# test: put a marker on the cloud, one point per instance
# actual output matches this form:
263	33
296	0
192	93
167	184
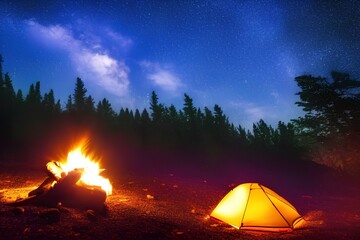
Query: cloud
252	112
90	59
123	41
162	76
53	35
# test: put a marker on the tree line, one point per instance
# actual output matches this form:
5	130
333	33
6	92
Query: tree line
328	132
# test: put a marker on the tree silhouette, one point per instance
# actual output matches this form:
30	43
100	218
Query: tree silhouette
49	101
221	125
156	109
80	101
33	98
191	130
243	136
19	98
287	135
104	110
7	104
332	118
262	135
145	119
331	107
8	87
1	71
189	110
69	104
89	105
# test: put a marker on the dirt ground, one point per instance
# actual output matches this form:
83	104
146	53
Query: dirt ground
166	205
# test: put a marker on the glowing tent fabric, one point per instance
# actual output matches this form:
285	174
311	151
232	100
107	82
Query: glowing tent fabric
256	207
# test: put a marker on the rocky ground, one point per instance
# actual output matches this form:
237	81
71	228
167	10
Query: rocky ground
167	205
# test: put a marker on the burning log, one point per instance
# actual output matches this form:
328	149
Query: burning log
55	173
54	170
75	182
63	188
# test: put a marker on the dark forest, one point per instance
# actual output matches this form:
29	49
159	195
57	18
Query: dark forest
328	133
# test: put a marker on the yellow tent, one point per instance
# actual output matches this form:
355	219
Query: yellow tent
256	207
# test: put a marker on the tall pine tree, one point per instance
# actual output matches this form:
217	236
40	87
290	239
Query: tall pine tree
79	96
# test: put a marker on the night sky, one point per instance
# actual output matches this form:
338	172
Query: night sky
242	55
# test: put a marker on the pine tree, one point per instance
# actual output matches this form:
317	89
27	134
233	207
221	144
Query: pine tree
145	118
157	109
49	101
104	109
38	97
220	119
69	104
331	125
19	97
262	135
89	105
8	98
208	119
137	117
243	137
189	109
287	139
8	88
173	115
80	96
1	71
33	99
331	107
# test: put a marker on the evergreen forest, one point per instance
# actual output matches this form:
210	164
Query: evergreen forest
34	123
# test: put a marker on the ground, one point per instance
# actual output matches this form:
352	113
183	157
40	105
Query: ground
167	205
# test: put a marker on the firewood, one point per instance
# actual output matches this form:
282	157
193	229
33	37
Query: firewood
44	186
84	198
70	179
54	170
68	193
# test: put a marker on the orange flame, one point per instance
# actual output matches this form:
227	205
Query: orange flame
77	159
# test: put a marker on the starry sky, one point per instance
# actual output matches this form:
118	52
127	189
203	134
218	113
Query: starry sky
242	55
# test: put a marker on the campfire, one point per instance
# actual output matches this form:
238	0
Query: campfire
74	182
90	176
